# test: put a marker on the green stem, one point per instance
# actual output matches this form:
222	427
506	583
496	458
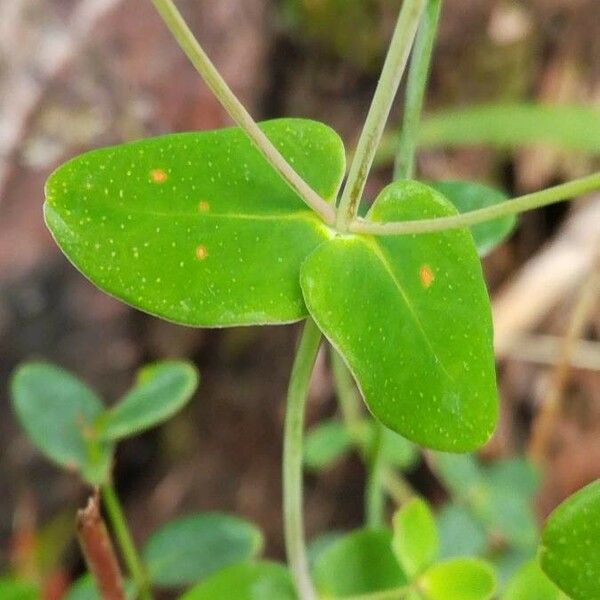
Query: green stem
188	43
118	523
393	68
566	191
397	488
415	90
374	496
293	459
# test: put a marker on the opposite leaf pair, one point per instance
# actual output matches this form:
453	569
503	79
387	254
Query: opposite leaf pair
369	561
67	421
199	229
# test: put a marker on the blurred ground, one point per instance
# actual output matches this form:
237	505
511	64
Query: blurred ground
76	74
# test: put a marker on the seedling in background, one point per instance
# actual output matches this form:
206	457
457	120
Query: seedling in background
243	227
69	424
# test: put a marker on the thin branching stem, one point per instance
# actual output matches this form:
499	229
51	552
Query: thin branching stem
192	48
559	193
393	69
374	496
118	523
404	165
293	459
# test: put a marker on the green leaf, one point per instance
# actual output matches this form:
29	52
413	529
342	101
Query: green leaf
570	544
459	579
360	563
58	412
410	315
467	196
461	474
245	581
510	126
12	588
326	443
530	583
415	542
85	588
319	544
459	532
161	390
197	228
191	548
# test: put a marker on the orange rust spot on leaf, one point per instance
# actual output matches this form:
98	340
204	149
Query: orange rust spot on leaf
426	275
201	252
203	206
158	176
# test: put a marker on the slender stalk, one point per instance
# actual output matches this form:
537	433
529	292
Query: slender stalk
118	523
374	496
559	193
292	459
396	486
393	68
404	165
192	48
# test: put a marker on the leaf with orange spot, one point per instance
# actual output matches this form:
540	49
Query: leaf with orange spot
197	228
410	315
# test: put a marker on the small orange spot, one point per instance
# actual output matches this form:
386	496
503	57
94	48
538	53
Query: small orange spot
426	275
201	252
158	176
203	206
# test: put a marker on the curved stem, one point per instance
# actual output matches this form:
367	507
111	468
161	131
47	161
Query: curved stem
393	68
188	43
559	193
404	165
374	496
118	523
292	459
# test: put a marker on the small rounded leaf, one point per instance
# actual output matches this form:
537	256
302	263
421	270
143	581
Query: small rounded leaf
530	583
570	544
58	412
12	588
415	542
459	579
468	196
85	588
459	532
161	390
193	547
245	581
360	563
326	443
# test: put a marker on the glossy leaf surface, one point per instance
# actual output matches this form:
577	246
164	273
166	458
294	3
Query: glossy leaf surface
245	581
191	548
161	390
58	412
459	579
410	316
325	443
469	195
197	228
570	544
415	542
530	583
360	563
